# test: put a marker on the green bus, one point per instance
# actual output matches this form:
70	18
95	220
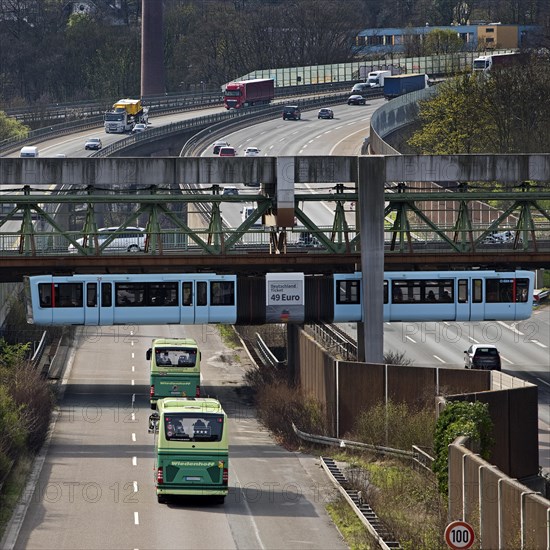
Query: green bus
175	368
191	448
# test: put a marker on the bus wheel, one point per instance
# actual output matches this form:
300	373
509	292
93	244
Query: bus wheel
161	499
220	499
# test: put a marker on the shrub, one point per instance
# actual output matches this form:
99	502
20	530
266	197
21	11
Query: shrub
280	405
461	418
395	425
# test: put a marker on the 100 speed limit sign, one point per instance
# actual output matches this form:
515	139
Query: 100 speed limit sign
459	535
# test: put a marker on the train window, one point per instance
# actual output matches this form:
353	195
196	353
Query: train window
348	292
463	291
162	294
130	294
68	295
106	294
422	291
201	293
187	294
222	293
45	294
522	290
477	291
91	295
500	290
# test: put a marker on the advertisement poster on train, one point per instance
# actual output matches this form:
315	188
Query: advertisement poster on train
284	297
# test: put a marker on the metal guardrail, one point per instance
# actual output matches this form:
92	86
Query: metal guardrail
334	340
39	351
343	443
265	354
384	538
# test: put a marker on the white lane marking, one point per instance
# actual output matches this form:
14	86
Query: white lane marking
134	461
134	437
409	338
251	517
133	382
135	486
133	368
507	360
133	416
538	343
541	380
136	518
512	328
439	359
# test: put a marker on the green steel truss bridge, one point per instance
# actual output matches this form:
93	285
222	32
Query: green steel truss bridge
50	225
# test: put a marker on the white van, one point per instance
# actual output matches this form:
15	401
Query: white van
247	211
29	151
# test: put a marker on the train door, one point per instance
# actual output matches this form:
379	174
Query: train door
201	303
187	307
106	305
91	304
477	300
463	301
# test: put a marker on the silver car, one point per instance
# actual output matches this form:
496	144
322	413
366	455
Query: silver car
130	239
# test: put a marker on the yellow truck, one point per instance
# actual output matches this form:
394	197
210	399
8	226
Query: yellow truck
125	114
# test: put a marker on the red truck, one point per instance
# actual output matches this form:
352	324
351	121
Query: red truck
248	92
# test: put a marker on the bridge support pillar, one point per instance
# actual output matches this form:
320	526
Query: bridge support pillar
371	178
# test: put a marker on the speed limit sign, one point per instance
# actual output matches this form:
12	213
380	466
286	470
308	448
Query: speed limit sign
459	535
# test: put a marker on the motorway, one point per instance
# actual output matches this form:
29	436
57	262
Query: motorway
95	489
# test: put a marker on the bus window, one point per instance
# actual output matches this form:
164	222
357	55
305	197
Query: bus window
189	426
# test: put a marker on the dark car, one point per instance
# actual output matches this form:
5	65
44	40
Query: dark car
356	99
218	145
291	112
482	356
325	113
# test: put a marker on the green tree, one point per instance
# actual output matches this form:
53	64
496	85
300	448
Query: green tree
441	41
505	112
454	121
11	128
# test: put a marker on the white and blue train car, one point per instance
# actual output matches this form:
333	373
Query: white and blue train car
441	296
131	299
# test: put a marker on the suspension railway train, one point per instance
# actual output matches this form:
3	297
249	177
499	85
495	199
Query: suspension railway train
200	298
